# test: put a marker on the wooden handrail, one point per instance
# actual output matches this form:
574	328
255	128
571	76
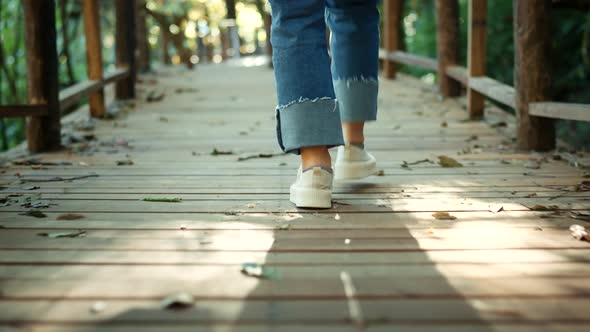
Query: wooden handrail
73	94
565	111
18	111
409	59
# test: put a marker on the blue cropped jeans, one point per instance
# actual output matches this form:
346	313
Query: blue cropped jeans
314	95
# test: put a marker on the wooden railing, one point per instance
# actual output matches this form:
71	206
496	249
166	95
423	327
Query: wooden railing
45	100
531	95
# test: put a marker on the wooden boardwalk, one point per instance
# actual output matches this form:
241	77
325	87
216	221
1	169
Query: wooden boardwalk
379	260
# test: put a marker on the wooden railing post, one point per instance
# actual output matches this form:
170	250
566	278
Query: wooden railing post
43	132
476	54
125	36
91	15
447	13
143	47
392	16
532	72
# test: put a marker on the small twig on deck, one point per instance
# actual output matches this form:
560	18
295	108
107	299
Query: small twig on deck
260	156
59	179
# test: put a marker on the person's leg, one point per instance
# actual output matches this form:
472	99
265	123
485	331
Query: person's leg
355	67
307	115
355	62
308	120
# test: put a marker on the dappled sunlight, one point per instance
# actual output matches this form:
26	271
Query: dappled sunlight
183	189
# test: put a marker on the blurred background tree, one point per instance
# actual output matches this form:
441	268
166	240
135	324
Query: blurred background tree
208	31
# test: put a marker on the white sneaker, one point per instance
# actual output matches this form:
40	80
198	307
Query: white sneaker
313	188
353	162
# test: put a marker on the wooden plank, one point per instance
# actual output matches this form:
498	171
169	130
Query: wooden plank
447	14
90	10
256	327
238	287
72	257
532	72
17	111
43	132
125	40
536	312
393	33
298	220
476	54
493	89
400	260
523	234
227	274
503	239
565	111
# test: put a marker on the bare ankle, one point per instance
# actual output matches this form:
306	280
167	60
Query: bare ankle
315	156
353	132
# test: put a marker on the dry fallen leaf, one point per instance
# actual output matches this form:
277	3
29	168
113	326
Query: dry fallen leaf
98	307
582	186
579	233
55	235
539	207
124	162
177	301
449	162
443	216
70	216
154	96
580	215
34	213
284	227
259	271
533	164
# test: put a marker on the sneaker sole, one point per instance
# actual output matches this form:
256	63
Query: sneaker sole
354	171
311	198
